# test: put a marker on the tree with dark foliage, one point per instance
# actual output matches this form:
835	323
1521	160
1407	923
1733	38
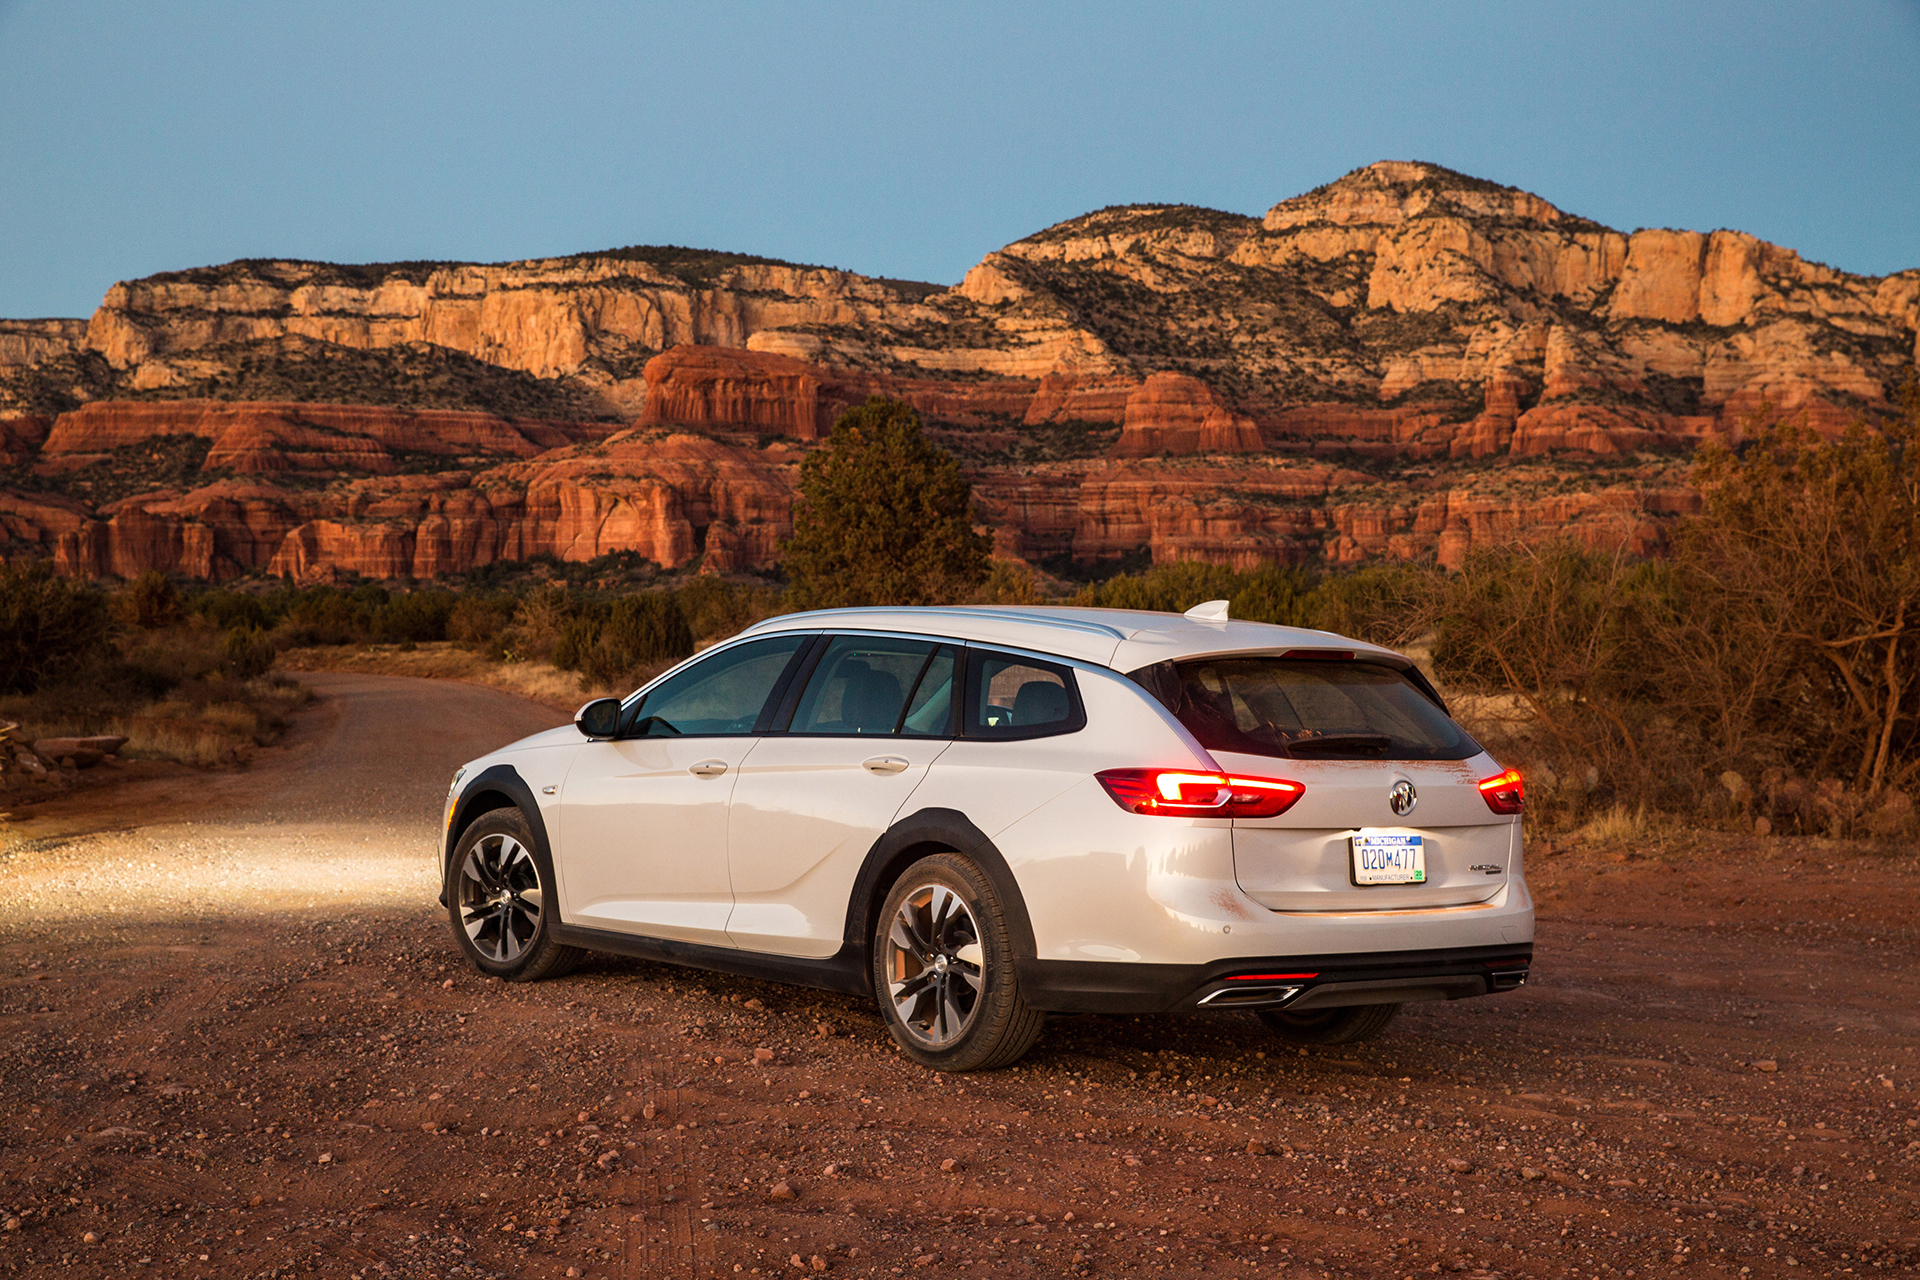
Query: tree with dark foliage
884	518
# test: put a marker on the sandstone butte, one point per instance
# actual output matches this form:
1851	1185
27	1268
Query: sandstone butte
1405	362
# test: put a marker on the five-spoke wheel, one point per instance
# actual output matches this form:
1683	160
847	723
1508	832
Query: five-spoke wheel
500	897
497	897
943	969
933	965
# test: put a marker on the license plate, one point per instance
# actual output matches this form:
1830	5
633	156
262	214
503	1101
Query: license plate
1389	859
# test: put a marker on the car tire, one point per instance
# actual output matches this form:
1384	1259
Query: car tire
500	901
943	970
1348	1025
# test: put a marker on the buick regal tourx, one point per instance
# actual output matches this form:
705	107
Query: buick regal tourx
980	815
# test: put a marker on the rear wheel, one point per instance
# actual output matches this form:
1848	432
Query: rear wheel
943	970
1349	1025
500	896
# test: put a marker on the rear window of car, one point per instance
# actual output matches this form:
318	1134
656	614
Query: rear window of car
1296	709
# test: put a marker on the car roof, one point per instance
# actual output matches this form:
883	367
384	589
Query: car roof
1124	639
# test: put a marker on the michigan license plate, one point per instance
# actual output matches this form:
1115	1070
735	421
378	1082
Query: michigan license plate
1387	859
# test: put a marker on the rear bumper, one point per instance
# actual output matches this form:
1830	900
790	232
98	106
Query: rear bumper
1278	982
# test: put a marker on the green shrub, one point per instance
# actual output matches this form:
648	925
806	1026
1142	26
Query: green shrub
884	517
229	609
48	625
413	617
246	653
1174	587
478	622
716	608
150	601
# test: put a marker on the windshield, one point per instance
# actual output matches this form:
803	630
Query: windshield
1306	710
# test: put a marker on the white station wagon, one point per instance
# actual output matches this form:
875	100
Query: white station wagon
981	815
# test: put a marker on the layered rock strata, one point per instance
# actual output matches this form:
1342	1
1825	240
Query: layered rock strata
1407	361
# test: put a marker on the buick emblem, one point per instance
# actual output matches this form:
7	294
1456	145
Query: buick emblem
1402	798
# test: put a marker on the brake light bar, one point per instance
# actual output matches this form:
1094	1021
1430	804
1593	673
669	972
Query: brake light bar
1185	793
1271	977
1504	792
1321	655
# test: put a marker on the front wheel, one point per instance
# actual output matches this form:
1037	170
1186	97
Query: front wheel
943	970
500	900
1348	1025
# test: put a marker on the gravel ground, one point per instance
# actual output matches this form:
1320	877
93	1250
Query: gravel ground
235	1040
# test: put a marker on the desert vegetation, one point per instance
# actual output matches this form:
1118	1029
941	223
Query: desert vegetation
1763	674
76	661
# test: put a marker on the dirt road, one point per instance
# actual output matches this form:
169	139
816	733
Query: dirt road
236	1041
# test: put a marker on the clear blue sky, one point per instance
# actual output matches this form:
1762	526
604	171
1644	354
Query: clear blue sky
907	139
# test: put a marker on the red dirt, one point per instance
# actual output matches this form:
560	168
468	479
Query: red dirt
1713	1068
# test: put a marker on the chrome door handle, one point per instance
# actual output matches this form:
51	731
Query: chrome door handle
885	764
708	768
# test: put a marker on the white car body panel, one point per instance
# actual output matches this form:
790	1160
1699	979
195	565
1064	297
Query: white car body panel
1301	860
805	812
643	841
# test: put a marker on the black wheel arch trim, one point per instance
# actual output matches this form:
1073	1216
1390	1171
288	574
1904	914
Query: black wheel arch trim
932	830
496	780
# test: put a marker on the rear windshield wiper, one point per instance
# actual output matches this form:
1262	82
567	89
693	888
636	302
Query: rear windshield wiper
1341	742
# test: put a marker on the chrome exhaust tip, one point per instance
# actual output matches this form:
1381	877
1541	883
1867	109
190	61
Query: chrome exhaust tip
1247	997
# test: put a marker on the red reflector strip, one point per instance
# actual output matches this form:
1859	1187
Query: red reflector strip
1507	964
1269	977
1321	655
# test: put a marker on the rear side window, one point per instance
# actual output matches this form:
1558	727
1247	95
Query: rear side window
1306	710
1015	697
719	695
878	685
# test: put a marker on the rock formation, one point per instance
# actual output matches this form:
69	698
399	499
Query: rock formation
1404	362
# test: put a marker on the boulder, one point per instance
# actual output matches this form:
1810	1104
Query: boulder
83	752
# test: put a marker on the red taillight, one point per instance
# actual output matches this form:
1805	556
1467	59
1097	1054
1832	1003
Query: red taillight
1504	792
1185	793
1271	977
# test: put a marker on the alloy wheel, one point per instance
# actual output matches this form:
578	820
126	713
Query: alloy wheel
934	965
501	898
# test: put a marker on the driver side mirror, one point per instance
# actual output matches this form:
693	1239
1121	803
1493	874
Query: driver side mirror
599	718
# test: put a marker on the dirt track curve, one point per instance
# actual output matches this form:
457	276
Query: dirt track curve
236	1041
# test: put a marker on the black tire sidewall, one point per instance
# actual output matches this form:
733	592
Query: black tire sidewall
507	822
977	1046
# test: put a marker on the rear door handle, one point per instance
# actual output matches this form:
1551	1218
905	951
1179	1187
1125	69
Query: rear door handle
708	768
885	764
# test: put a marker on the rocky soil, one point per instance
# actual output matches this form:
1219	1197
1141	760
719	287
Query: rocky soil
235	1040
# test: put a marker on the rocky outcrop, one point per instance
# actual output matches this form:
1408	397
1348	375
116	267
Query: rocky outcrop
715	387
264	439
665	495
1174	413
24	343
1407	361
21	437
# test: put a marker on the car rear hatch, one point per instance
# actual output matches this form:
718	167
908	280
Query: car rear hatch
1352	728
1303	860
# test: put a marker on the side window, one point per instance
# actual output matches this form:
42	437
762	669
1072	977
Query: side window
868	685
1011	697
720	695
930	709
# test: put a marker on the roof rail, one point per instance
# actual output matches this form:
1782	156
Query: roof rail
956	611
